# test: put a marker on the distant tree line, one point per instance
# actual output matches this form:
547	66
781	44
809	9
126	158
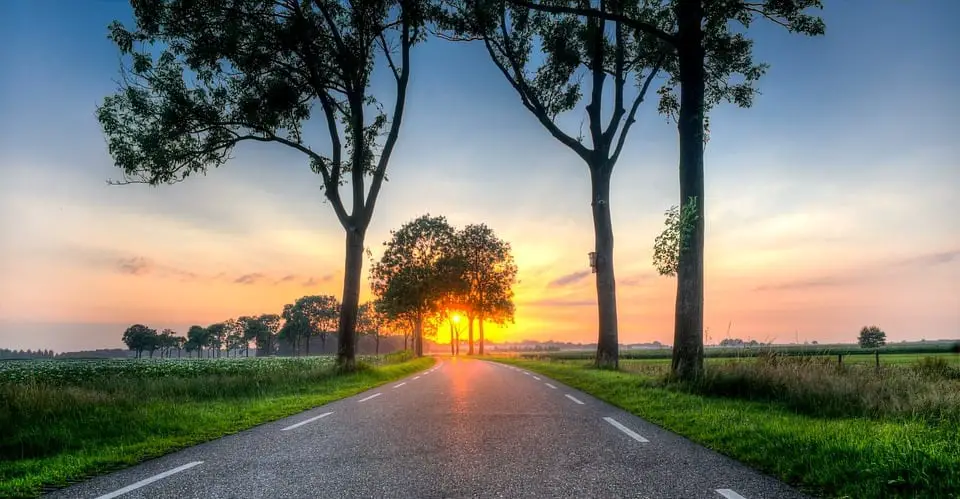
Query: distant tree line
6	353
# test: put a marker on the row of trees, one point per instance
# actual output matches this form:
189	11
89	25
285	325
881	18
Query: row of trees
262	69
308	317
431	272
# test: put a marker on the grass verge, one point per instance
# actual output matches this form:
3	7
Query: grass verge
849	457
58	433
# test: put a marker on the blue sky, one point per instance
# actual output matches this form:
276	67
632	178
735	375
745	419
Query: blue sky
831	203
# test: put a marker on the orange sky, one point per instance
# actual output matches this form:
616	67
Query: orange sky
825	211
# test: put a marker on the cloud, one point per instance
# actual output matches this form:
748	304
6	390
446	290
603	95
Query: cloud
313	281
250	278
635	280
819	282
929	260
137	265
569	279
867	272
286	278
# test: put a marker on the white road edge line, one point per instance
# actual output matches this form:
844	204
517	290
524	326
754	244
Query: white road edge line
632	434
536	378
525	372
416	377
399	385
551	386
305	421
148	481
571	397
375	395
730	494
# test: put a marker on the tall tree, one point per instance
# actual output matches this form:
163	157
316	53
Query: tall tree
309	316
710	60
489	272
233	71
574	50
266	341
217	337
410	278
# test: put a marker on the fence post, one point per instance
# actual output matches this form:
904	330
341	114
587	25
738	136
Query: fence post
840	360
877	354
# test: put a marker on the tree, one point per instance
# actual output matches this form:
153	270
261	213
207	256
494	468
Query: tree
489	273
575	50
139	338
253	71
197	338
217	336
710	61
409	279
266	339
310	316
371	321
872	337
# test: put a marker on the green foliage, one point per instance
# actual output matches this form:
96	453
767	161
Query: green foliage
250	70
554	61
414	271
675	238
872	337
488	271
309	316
139	338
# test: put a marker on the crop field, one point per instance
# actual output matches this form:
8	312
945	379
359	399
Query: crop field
79	372
65	420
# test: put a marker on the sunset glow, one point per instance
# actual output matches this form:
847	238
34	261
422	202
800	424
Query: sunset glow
824	213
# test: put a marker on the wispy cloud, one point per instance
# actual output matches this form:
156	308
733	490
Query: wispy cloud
140	266
930	259
569	279
316	281
253	278
818	282
137	265
636	280
286	278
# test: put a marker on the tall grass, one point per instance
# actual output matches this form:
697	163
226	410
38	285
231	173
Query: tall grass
928	391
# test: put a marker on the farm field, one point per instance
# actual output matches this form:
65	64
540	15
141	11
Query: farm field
67	420
850	432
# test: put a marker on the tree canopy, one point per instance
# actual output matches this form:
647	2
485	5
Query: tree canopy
202	77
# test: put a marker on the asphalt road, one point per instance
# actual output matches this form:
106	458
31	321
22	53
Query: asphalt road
464	428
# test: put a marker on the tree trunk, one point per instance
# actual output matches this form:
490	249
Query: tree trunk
347	327
323	343
405	337
480	324
418	337
470	336
688	326
608	349
308	345
376	350
452	338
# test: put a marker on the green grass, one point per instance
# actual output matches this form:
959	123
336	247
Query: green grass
64	422
832	435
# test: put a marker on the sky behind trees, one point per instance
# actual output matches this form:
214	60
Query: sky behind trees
831	204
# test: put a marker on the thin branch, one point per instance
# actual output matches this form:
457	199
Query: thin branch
594	13
530	100
386	52
619	80
633	109
381	171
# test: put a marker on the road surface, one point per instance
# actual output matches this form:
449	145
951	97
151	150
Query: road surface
464	428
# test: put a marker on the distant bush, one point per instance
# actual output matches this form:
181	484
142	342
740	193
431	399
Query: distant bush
397	357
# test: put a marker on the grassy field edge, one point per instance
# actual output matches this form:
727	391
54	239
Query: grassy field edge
220	418
826	457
